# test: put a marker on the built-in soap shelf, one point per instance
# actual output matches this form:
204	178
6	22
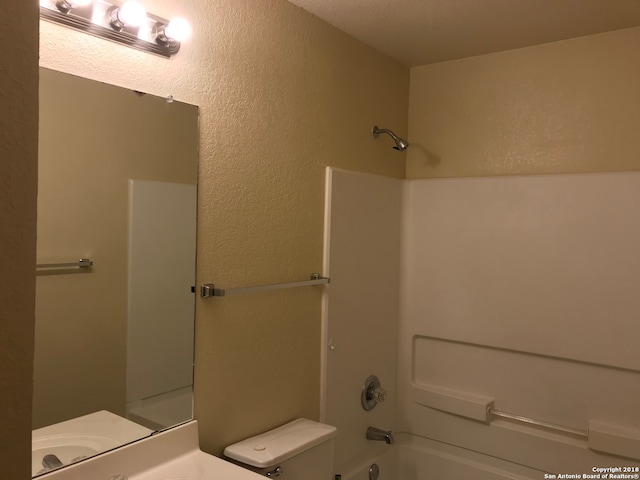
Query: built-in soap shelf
600	436
475	407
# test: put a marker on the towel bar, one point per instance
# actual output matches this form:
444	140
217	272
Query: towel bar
209	290
81	263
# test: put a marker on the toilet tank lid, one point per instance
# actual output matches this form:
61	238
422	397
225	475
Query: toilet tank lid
277	445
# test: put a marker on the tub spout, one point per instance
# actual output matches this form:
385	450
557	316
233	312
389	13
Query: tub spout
380	435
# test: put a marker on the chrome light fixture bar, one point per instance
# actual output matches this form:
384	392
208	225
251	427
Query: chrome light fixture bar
123	22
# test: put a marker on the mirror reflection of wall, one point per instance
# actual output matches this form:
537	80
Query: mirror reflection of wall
109	156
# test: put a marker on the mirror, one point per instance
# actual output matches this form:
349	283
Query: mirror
114	340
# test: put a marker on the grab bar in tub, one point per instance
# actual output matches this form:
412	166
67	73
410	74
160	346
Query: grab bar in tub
538	423
600	436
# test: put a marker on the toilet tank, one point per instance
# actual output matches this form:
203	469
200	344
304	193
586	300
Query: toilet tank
299	450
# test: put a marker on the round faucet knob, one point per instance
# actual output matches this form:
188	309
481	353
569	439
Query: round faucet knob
372	393
379	394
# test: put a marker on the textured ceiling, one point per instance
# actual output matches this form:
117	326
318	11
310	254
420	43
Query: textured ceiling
419	32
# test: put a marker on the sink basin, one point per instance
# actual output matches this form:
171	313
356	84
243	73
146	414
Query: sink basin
169	455
82	437
68	448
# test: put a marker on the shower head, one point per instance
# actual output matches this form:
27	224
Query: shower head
401	144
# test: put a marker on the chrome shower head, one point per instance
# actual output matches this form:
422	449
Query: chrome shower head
400	143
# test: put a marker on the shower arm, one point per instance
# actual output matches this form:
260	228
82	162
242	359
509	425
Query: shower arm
401	144
377	131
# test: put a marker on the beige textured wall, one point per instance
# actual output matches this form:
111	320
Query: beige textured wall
568	106
92	139
282	95
18	167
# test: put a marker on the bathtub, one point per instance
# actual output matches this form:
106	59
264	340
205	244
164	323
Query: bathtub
417	458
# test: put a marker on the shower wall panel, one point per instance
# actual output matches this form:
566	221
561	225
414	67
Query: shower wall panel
362	258
522	291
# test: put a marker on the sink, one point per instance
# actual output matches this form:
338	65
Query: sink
170	454
82	437
68	448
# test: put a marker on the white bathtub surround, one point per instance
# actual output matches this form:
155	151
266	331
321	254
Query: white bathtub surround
522	290
517	294
173	454
363	234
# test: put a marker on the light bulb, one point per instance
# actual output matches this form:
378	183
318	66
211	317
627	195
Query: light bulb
178	29
132	14
66	5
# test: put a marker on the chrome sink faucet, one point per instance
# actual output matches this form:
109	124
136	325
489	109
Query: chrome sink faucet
377	434
50	462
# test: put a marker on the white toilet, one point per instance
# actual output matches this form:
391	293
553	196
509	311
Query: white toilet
298	450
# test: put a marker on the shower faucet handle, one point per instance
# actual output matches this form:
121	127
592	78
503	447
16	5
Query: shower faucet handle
372	393
379	394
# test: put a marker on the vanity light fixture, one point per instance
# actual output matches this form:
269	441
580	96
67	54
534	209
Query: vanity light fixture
125	22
